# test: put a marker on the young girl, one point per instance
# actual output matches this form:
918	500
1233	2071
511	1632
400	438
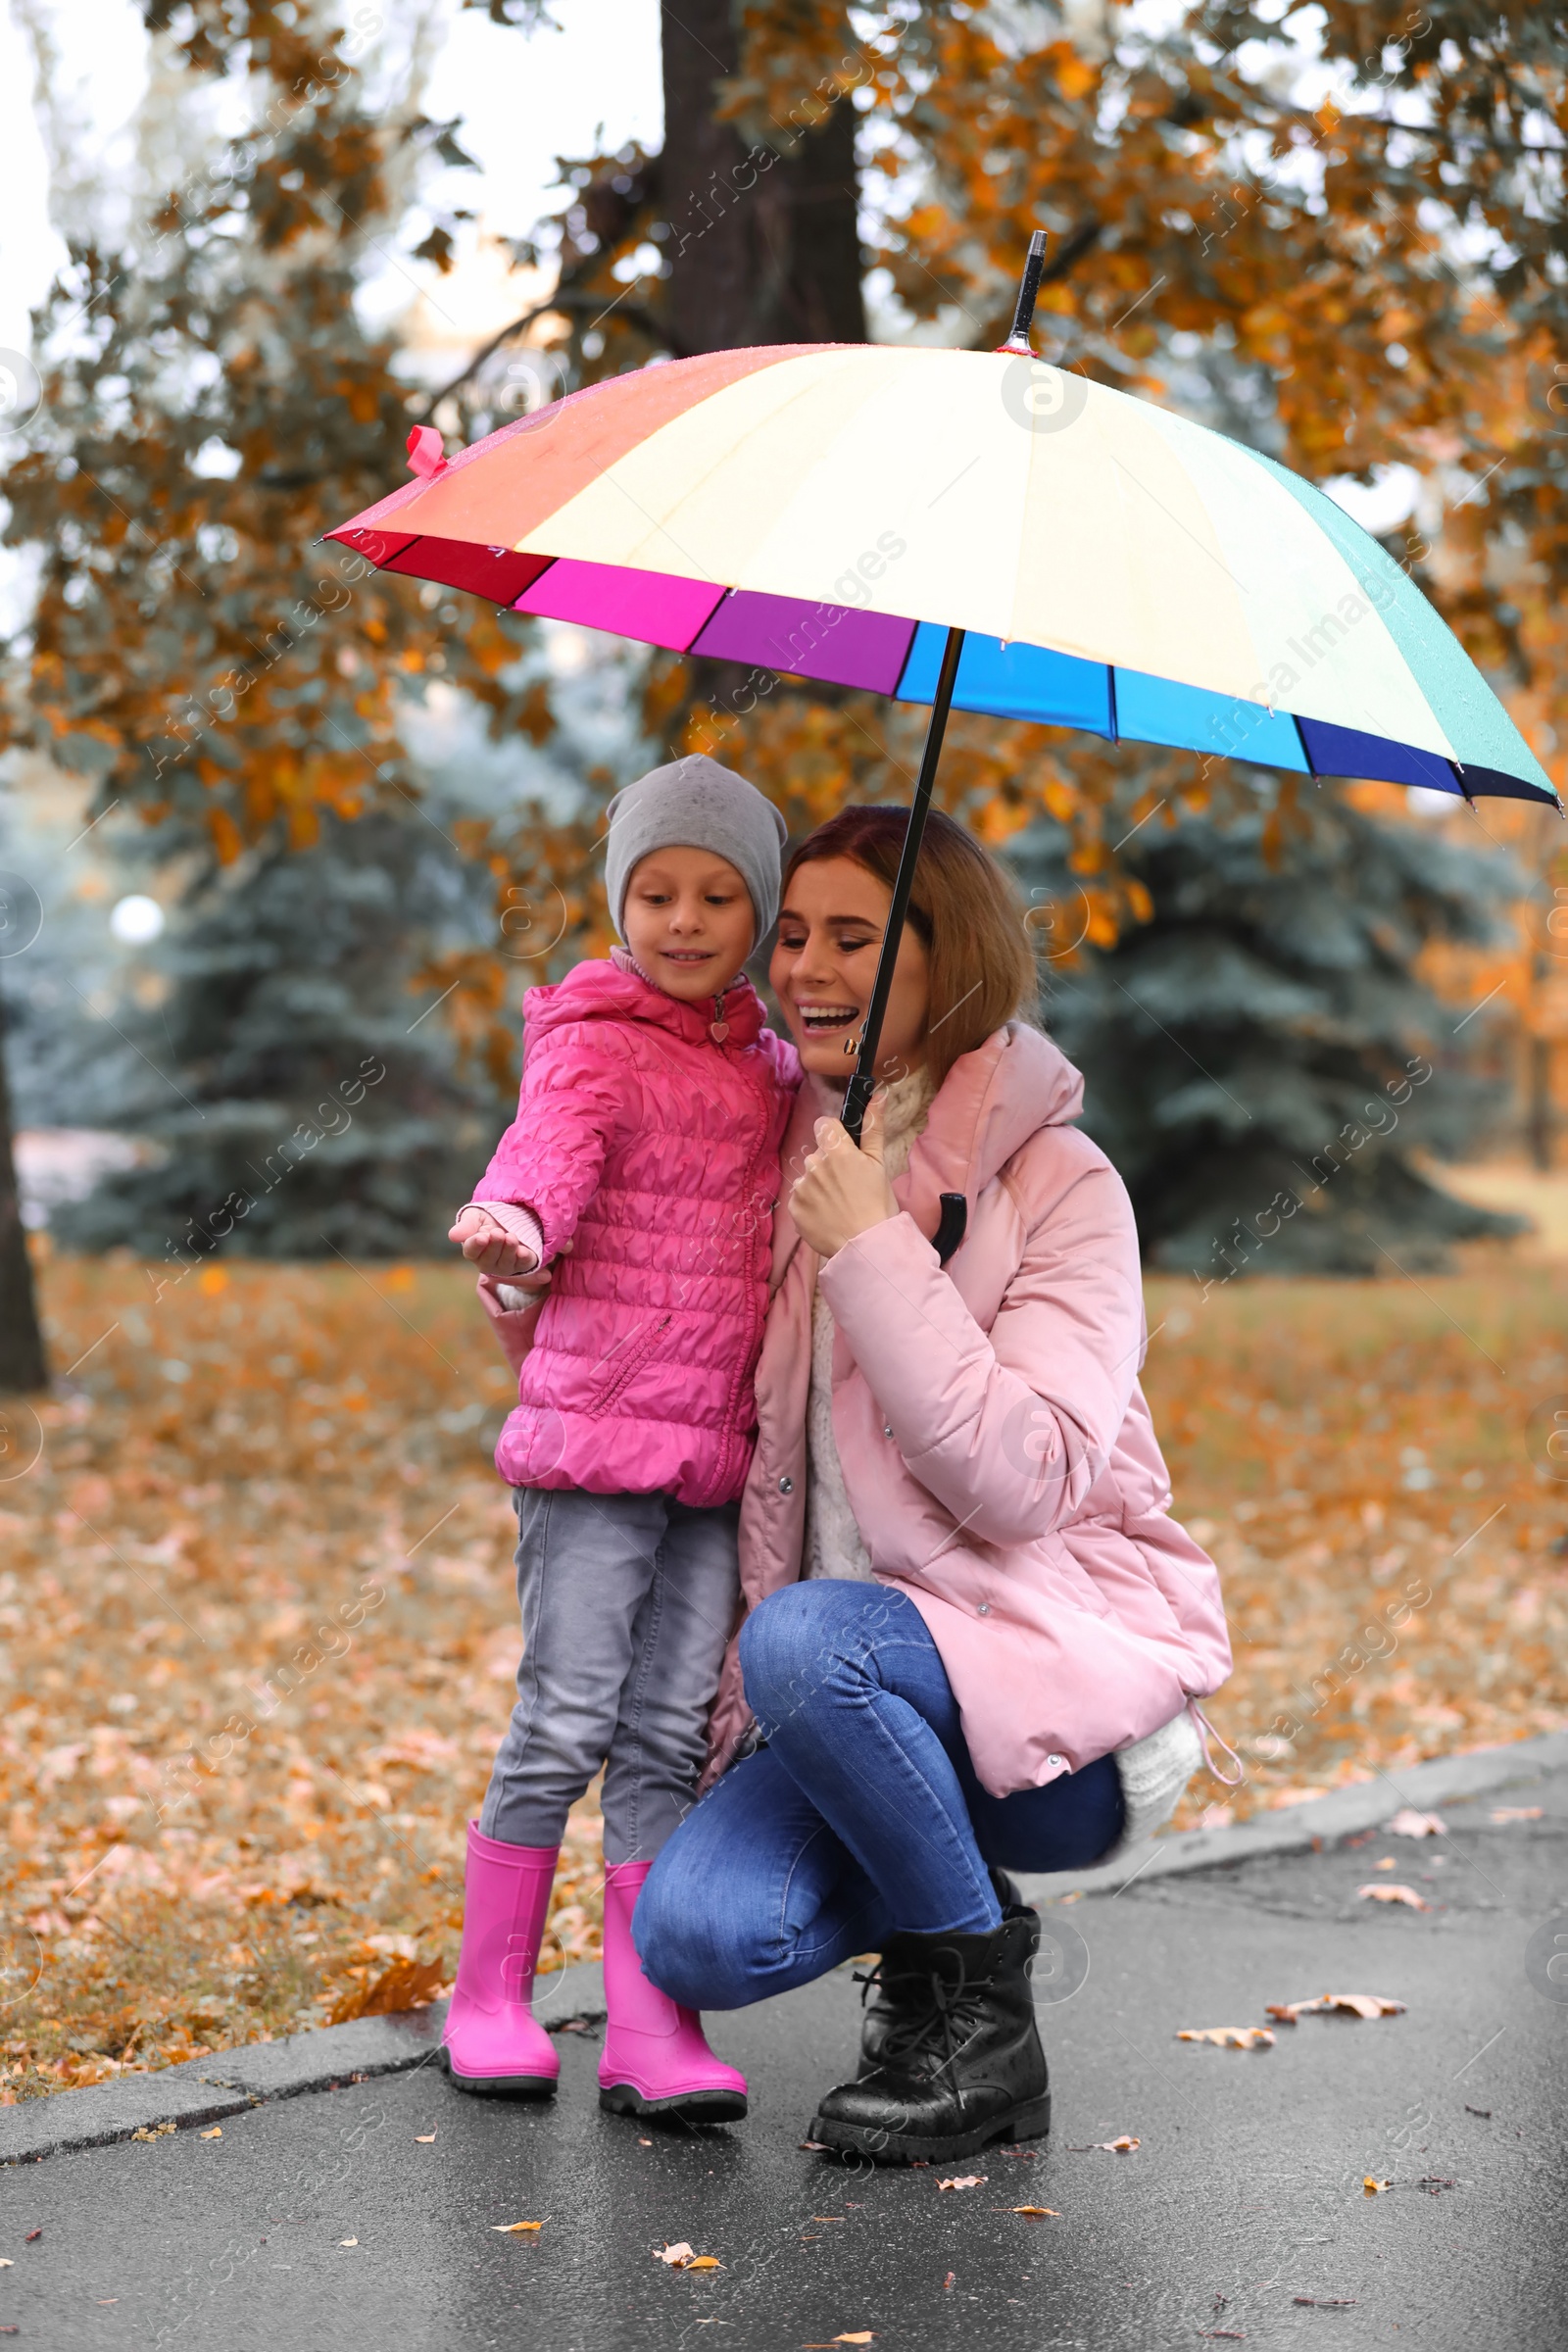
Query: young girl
641	1169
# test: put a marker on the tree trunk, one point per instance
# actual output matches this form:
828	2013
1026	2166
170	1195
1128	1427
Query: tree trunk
22	1357
809	226
709	249
761	251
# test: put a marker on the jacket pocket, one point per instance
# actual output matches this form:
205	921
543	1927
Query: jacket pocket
623	1367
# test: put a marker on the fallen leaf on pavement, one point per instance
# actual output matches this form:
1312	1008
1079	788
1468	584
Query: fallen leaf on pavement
1407	1822
423	2139
511	2229
1435	2183
965	2180
217	2132
348	2241
38	2232
1036	2213
679	2257
1325	2302
1484	2111
6	2263
1517	1813
1373	2188
1116	2148
1231	2038
816	2148
1232	2336
1395	1894
1387	1863
1358	2004
406	1984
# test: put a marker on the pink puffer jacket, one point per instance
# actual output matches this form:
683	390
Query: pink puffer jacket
996	1449
652	1145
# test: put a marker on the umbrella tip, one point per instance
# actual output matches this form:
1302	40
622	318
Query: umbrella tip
1029	288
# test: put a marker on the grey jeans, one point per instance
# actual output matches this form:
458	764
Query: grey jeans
628	1603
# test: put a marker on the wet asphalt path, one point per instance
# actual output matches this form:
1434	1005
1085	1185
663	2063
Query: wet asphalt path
1245	2195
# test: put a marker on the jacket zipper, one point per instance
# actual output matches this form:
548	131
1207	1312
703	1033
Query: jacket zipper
753	1320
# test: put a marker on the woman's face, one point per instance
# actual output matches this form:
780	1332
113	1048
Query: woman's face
824	967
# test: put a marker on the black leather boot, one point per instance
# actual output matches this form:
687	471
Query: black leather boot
897	1990
957	2061
897	1985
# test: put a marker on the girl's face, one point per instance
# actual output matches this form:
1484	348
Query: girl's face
824	967
688	920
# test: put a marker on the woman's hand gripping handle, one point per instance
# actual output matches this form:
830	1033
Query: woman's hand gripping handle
843	1191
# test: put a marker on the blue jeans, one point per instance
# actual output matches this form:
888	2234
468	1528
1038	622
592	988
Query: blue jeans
860	1817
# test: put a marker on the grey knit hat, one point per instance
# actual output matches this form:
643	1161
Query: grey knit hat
694	804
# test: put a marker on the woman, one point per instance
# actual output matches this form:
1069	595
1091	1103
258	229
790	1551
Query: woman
974	1630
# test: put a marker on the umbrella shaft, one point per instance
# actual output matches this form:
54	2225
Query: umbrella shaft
863	1085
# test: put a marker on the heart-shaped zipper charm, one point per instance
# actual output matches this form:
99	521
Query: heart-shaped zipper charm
718	1031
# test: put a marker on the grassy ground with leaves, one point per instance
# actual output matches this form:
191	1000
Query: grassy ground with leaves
263	1499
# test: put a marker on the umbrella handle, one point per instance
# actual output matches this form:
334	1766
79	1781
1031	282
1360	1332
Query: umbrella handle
862	1086
951	1225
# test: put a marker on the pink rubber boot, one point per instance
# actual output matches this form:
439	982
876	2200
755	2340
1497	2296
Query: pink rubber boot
656	2060
491	2043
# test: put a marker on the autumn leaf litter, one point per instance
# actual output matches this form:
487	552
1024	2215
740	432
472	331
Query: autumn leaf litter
208	1536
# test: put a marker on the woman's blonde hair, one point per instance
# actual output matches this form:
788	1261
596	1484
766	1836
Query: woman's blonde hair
963	909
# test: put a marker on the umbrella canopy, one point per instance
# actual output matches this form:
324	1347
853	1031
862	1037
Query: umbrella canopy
833	510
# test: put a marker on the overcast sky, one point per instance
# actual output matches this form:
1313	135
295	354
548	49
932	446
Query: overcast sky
522	101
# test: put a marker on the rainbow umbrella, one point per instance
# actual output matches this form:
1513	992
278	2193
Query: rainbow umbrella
970	529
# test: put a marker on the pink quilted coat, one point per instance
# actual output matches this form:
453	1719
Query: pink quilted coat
650	1144
998	1452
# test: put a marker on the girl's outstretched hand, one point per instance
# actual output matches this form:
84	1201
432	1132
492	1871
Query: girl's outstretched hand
493	1251
843	1192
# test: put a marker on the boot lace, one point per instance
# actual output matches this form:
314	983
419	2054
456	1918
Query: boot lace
940	2008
